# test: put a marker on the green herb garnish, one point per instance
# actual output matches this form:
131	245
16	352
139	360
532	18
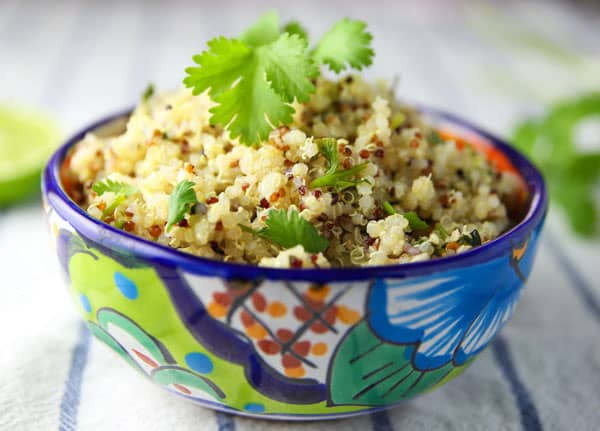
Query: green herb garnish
414	221
397	120
148	92
181	201
443	233
435	138
121	191
255	78
340	179
288	229
571	174
118	200
263	31
294	27
116	187
388	208
347	43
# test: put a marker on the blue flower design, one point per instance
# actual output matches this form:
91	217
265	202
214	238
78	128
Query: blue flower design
450	316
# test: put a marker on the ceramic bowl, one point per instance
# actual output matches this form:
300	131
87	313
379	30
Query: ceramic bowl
294	343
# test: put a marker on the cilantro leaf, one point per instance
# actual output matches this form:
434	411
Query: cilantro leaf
388	208
288	69
435	138
148	92
219	67
442	233
526	134
340	179
264	30
251	108
254	79
397	120
345	44
414	221
121	191
571	175
181	201
288	229
577	201
116	187
109	210
294	27
253	87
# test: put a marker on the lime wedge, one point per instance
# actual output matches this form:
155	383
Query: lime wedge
26	141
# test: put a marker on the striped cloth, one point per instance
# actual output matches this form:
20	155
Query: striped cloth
83	59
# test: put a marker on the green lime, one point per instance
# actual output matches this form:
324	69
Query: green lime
26	141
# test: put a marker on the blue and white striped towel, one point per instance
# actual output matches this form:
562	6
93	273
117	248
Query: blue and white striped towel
83	59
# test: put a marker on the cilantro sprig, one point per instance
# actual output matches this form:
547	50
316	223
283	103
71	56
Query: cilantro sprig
442	233
148	92
339	179
110	209
414	221
346	44
435	138
288	229
121	191
294	27
116	187
388	208
180	202
571	175
255	78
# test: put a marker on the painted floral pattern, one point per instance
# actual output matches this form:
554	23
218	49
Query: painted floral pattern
293	326
449	317
151	358
293	347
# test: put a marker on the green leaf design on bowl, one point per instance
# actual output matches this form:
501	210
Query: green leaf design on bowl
186	382
119	326
103	336
382	371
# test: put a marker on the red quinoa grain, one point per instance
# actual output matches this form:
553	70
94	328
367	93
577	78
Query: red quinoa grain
295	262
154	231
183	223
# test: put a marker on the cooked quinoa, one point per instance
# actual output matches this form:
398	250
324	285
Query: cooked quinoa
168	139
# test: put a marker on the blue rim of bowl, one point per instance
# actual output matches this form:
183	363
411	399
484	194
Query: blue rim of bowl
124	242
